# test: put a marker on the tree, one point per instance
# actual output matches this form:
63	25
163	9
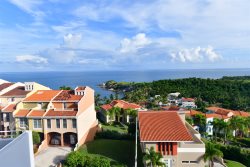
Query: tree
238	124
153	158
113	112
211	153
131	112
189	120
65	88
36	137
98	99
200	120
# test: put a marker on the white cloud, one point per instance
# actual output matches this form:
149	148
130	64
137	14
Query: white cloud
196	55
72	40
31	59
132	45
29	6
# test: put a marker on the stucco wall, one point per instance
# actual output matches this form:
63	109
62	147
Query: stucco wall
61	129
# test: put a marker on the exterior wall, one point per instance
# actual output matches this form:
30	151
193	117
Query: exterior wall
85	121
61	129
10	157
36	87
185	152
6	100
29	105
31	127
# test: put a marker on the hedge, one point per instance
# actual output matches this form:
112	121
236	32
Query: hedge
111	134
235	153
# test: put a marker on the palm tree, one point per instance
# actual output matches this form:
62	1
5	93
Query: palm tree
114	111
238	125
153	158
131	112
216	127
211	153
200	120
224	127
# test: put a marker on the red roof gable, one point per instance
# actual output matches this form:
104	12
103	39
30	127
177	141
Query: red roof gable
122	104
64	113
9	108
22	113
36	113
18	91
162	126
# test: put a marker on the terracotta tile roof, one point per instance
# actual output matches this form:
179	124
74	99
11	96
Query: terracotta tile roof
36	113
172	108
9	108
22	113
67	95
18	91
42	95
5	85
106	107
225	112
162	126
64	113
241	113
122	104
81	88
193	112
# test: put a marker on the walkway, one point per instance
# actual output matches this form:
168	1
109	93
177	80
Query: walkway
51	156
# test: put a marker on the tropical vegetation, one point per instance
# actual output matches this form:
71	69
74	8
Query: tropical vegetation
152	158
225	92
211	153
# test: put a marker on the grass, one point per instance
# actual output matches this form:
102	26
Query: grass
230	163
116	127
118	151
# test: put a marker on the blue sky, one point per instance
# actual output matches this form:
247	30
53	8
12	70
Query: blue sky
77	35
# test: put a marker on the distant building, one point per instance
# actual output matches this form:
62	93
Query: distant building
62	117
188	103
10	95
121	104
173	98
168	133
17	152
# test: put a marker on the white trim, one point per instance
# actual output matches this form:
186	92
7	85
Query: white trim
191	150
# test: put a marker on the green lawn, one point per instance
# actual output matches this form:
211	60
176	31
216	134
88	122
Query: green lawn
118	151
116	127
230	163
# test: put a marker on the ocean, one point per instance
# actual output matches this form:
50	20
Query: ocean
92	78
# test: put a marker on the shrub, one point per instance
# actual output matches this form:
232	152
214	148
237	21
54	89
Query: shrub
111	134
75	159
78	159
132	129
97	162
36	137
235	153
244	142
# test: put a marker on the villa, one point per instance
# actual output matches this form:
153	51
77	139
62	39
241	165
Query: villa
10	95
124	105
168	133
62	117
216	112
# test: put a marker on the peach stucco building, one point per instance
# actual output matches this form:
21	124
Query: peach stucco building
62	117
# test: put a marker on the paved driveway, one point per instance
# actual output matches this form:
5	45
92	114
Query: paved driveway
51	156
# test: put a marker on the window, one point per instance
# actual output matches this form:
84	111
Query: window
74	123
185	162
193	162
64	105
23	123
48	123
37	123
57	123
64	123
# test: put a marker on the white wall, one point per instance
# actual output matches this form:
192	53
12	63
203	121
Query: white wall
19	152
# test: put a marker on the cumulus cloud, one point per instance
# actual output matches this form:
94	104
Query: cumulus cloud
31	59
132	45
72	40
195	55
